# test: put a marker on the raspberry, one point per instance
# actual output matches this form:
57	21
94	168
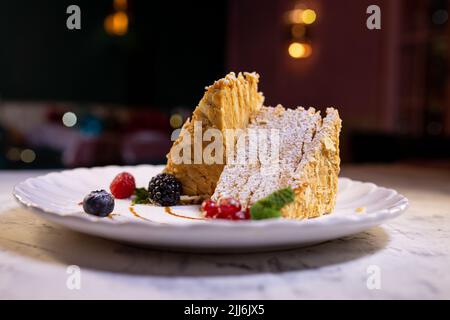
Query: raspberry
228	207
123	186
209	208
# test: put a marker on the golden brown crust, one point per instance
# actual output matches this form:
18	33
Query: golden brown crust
318	180
230	103
227	104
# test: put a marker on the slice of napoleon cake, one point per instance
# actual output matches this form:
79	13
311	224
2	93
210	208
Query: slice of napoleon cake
276	147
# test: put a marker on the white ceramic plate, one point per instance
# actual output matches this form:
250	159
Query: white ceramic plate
57	196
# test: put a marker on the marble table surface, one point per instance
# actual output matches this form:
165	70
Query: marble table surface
410	256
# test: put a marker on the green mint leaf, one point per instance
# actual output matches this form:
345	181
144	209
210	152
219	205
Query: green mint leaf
140	196
261	212
280	198
270	206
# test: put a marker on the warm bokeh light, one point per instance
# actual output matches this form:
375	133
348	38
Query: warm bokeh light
120	5
296	50
28	156
176	121
295	16
117	23
69	119
308	50
298	30
299	50
308	16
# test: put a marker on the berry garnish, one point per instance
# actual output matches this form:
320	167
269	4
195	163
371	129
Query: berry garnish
123	186
210	208
228	206
164	189
98	203
241	215
225	208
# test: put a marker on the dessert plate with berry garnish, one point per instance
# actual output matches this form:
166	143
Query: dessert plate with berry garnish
141	206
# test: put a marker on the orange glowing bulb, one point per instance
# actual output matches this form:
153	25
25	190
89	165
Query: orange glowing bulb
117	23
309	16
299	50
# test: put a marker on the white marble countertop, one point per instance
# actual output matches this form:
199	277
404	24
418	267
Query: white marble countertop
411	253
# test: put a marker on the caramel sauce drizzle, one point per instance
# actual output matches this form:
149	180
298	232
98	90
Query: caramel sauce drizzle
170	211
137	215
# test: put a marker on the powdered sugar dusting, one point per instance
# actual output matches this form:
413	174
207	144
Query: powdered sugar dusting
301	133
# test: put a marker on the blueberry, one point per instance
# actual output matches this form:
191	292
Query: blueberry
98	203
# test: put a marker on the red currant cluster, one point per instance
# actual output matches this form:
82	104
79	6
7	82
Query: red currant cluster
225	208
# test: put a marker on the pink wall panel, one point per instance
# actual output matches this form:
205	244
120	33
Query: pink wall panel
345	70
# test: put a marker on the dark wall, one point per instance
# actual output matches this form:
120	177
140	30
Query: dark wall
172	50
343	71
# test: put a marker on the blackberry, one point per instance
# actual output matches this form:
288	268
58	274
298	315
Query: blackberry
164	189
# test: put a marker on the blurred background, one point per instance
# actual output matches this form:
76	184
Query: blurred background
113	92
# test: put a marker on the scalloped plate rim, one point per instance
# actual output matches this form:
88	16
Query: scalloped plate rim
327	221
